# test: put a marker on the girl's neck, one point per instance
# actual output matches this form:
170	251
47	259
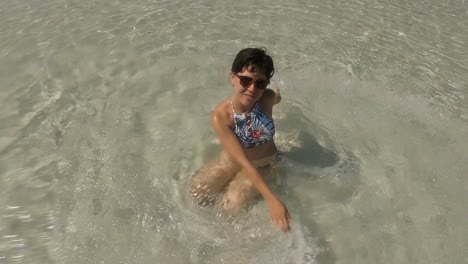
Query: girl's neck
239	108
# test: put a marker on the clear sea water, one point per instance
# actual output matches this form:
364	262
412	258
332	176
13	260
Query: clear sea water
104	116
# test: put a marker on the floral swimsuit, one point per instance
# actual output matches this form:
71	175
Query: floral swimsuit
253	128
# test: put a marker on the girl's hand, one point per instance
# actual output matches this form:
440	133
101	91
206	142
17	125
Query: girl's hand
279	214
277	96
277	91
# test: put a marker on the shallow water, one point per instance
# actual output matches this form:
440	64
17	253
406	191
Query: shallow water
104	110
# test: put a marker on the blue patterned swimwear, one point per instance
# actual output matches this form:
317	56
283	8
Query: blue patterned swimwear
253	128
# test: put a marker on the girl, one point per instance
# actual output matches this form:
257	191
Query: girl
245	128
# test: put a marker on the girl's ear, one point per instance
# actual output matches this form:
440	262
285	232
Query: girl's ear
231	74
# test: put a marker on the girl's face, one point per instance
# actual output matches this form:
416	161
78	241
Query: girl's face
249	84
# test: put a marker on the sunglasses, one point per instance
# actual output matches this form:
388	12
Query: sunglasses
247	81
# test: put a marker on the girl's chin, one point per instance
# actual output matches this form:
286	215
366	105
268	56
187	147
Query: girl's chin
248	99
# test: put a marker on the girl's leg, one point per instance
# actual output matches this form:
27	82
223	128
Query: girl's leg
241	190
212	178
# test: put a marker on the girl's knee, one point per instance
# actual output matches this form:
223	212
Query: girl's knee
233	204
209	181
238	195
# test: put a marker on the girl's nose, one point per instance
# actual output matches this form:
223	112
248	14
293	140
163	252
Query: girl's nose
252	87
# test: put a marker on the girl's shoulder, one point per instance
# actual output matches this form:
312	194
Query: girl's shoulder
224	107
223	112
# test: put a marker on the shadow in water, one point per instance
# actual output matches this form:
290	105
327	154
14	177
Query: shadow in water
311	153
314	175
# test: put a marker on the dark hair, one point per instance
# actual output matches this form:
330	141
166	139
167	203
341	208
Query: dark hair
256	57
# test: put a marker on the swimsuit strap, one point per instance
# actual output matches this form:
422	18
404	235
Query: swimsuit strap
233	111
232	106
